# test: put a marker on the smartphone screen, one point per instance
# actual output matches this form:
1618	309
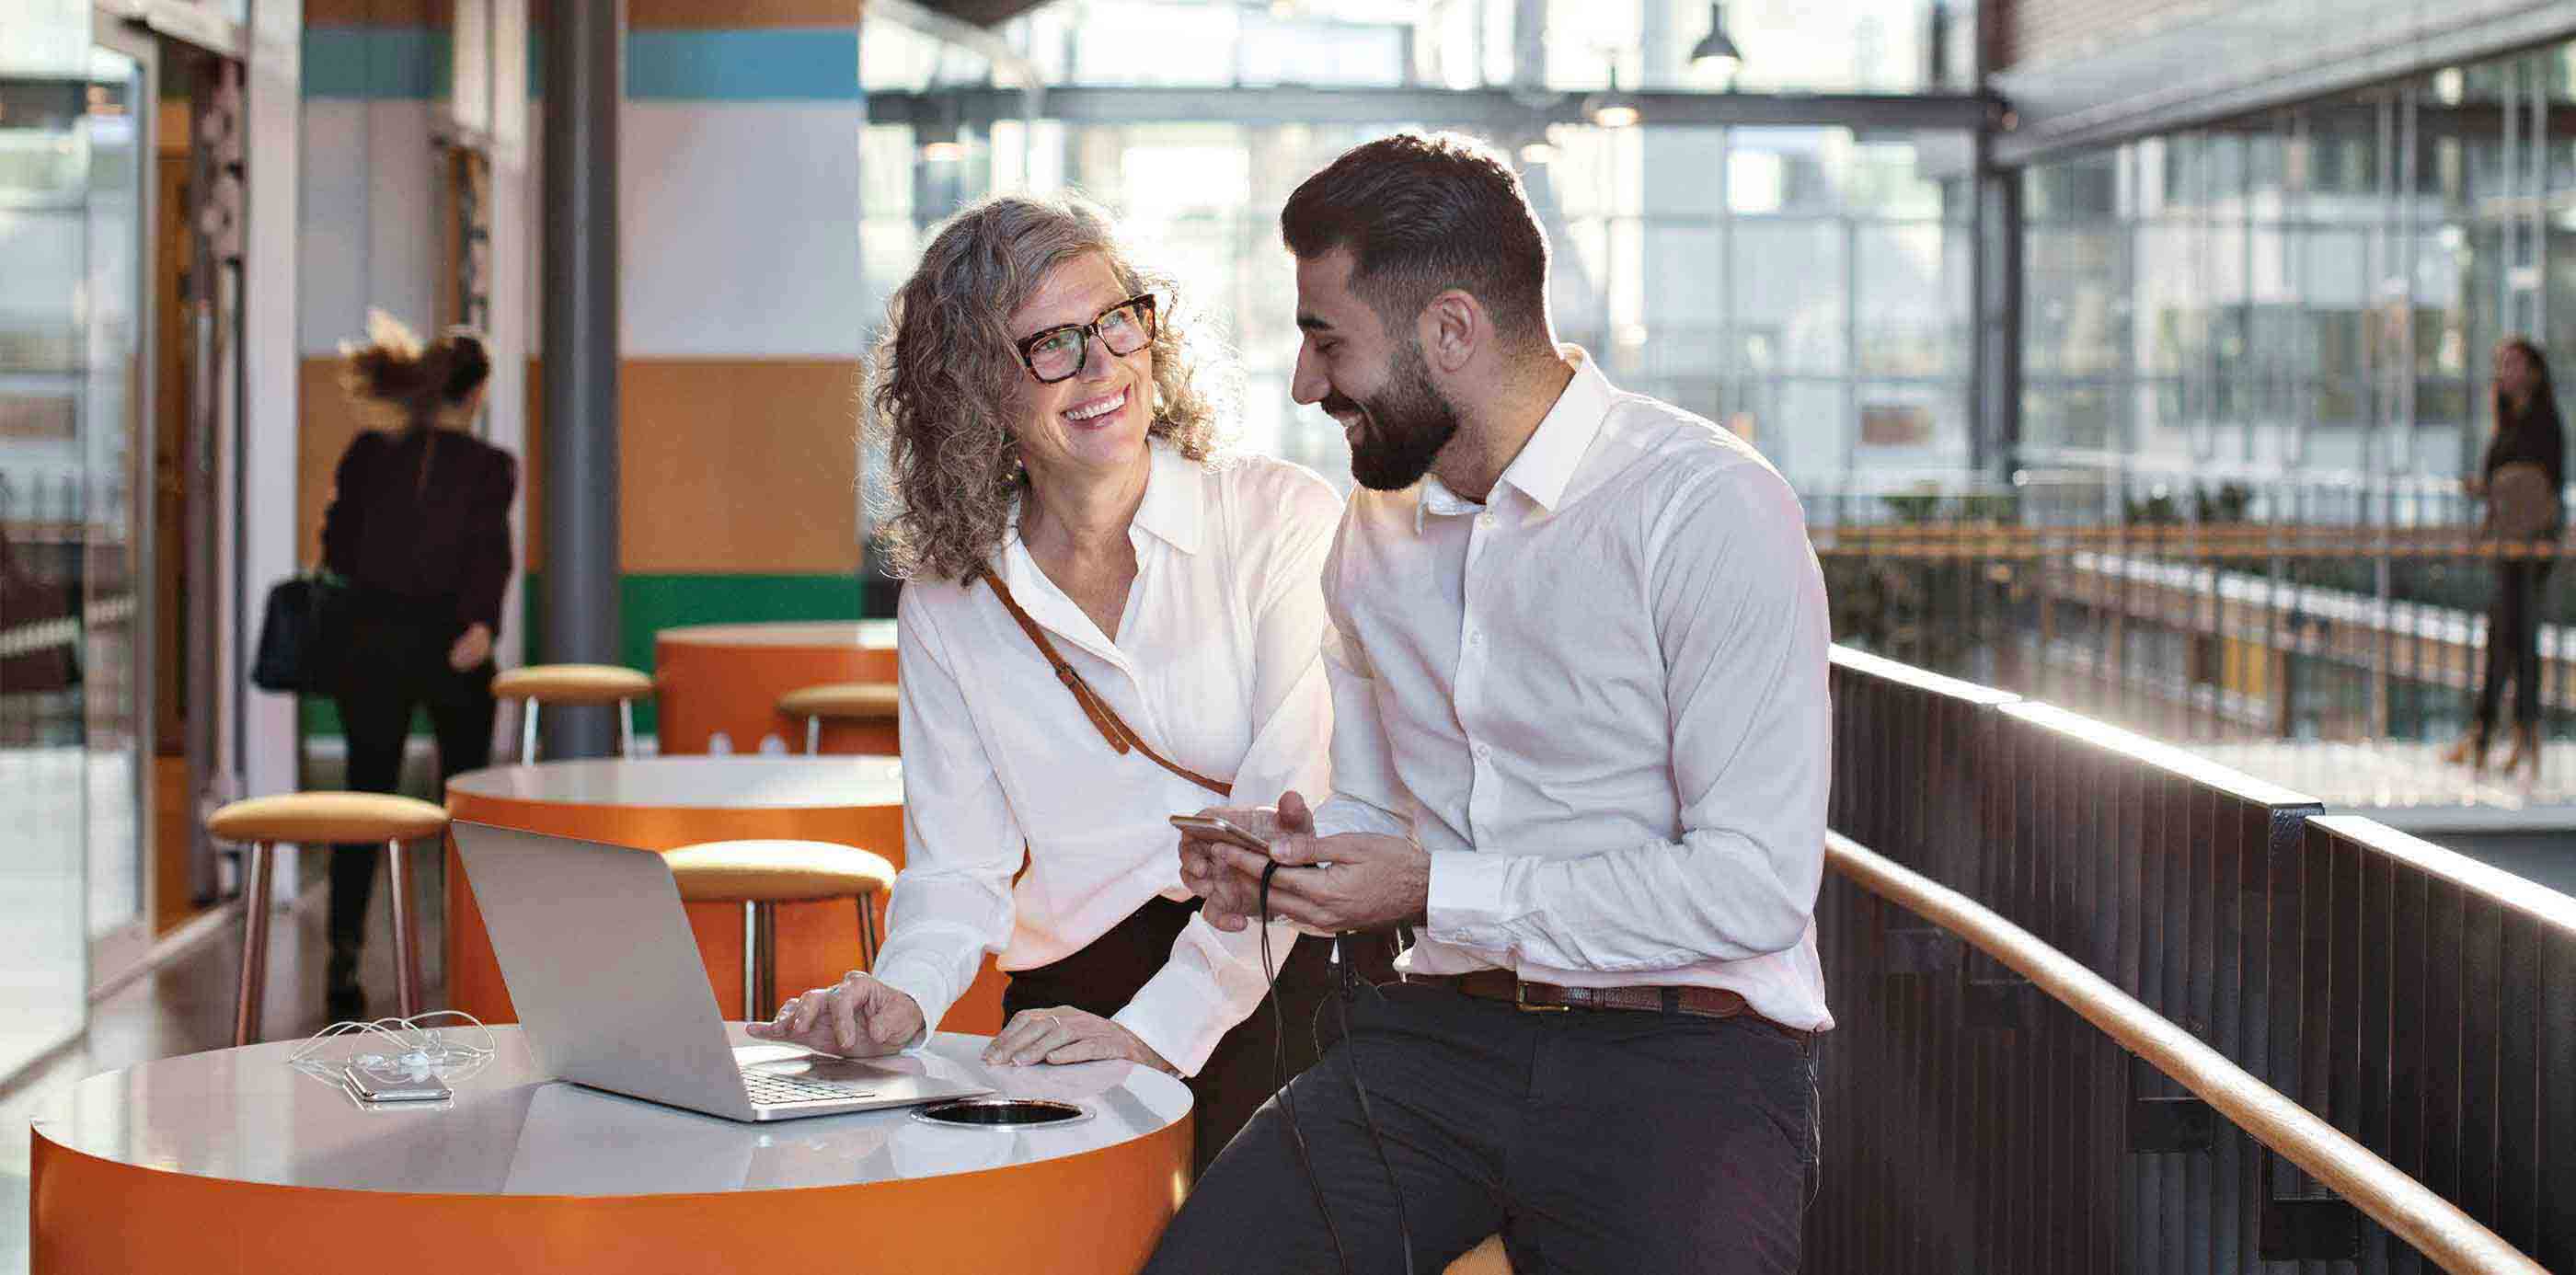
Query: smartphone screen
374	1088
1217	828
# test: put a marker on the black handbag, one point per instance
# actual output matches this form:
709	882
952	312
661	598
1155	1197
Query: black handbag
303	635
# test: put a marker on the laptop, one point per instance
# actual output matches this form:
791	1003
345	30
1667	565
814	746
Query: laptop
611	994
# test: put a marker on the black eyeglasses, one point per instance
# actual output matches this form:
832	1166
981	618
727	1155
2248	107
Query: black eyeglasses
1058	353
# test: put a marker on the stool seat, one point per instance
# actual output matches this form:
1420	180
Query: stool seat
844	702
572	684
327	816
777	871
760	875
262	823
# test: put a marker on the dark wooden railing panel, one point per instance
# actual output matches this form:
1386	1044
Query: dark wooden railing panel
2293	1230
2477	1097
2421	1003
1914	1141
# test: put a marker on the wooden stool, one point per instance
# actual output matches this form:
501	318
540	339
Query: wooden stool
872	702
539	684
763	874
1487	1258
322	817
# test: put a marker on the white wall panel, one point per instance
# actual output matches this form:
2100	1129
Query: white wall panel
368	232
740	224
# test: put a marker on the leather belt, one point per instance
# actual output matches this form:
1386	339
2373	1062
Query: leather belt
1540	998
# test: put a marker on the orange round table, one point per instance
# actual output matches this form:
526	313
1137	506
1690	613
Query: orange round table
664	803
232	1161
724	680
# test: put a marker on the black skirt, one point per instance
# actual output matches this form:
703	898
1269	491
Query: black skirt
1239	1075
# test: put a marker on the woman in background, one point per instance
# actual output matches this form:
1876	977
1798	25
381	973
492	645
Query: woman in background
419	527
2527	433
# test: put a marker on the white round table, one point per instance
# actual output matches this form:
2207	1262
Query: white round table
664	803
233	1161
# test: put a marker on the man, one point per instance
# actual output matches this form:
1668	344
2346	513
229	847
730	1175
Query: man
1578	655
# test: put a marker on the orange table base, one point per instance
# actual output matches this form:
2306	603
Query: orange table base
701	690
816	942
1101	1211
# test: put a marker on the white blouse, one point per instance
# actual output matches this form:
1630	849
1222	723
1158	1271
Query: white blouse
1217	664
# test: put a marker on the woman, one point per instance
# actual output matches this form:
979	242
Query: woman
419	527
1081	570
2527	432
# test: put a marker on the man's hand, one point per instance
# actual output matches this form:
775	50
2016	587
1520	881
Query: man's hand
1373	881
473	646
1199	870
858	1017
1068	1035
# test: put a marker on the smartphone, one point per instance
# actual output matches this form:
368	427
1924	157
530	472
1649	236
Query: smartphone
367	1086
1218	828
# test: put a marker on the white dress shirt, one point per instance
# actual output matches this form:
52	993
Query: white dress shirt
1599	701
1217	664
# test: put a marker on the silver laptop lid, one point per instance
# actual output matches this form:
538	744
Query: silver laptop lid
602	968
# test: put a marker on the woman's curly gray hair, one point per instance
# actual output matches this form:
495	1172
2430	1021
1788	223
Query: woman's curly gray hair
945	377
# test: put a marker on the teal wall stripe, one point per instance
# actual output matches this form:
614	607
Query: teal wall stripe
376	63
794	64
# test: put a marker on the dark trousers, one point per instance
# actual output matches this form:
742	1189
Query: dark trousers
1103	977
1591	1140
399	662
2513	642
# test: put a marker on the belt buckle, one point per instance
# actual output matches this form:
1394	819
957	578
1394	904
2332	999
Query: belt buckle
1521	1001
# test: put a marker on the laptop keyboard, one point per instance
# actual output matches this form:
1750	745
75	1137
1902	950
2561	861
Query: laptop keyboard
768	1089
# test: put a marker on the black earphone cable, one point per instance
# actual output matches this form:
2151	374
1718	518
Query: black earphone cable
1351	982
1278	1080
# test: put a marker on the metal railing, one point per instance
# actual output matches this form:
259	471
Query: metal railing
2194	606
1977	1122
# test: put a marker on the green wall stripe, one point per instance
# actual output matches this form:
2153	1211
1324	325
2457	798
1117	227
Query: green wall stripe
648	604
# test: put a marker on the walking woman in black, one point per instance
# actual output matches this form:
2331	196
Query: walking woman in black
2522	506
419	527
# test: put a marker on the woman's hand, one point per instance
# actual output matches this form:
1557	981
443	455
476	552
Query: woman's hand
1068	1035
1202	872
473	646
857	1017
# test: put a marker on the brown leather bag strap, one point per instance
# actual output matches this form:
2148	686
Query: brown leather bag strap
1111	726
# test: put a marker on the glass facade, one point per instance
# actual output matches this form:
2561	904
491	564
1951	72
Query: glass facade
2309	293
1806	286
1885	46
69	236
2287	321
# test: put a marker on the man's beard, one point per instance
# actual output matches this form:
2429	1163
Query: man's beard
1404	427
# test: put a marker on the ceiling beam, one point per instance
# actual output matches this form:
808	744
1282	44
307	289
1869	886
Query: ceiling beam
1498	109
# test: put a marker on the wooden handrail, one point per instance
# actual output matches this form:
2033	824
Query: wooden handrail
2438	1229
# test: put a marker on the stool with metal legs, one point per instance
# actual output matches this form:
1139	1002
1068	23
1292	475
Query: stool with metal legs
760	875
872	703
322	818
539	684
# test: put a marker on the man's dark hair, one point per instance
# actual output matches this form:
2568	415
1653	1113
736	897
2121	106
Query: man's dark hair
1421	214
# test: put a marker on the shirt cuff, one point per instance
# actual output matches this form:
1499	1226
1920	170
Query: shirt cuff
1339	815
1466	904
922	981
1177	1014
